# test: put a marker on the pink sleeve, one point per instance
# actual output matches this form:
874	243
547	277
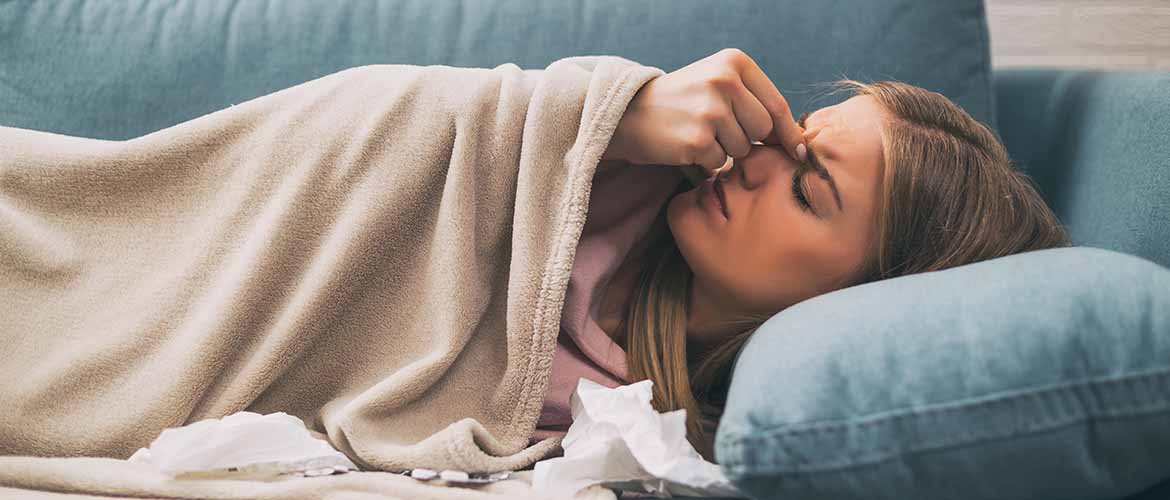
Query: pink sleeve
624	202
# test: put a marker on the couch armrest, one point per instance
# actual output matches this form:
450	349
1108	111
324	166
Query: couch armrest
1096	143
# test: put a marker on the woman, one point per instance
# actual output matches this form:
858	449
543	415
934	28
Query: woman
341	251
893	181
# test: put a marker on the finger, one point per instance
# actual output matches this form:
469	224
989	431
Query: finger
733	139
752	116
712	158
727	164
785	130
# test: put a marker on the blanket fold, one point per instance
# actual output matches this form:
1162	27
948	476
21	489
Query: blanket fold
382	252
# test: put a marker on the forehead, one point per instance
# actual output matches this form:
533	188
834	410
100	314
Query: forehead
847	138
856	120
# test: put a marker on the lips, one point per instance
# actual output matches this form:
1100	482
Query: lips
713	188
722	196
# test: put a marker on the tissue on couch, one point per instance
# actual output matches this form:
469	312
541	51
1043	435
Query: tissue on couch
242	443
618	440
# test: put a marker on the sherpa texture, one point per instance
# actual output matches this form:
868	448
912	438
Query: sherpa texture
382	252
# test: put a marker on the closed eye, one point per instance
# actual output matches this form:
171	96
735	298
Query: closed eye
815	165
798	177
798	192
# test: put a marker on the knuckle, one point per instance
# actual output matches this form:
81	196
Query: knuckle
759	133
696	143
722	81
734	58
709	112
710	116
733	53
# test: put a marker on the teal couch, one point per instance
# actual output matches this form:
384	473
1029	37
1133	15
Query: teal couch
1096	143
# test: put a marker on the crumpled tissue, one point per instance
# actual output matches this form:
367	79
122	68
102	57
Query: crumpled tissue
242	444
618	440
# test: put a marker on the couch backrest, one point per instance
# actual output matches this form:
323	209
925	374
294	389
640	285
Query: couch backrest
1098	144
117	70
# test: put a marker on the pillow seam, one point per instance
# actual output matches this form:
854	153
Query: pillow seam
964	404
736	441
740	470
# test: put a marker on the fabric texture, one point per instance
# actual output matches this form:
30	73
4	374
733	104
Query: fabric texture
1095	142
382	252
624	202
117	70
1040	375
107	478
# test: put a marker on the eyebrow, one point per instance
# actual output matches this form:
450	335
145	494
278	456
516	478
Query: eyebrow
820	169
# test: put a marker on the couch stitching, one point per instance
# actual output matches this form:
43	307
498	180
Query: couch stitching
774	437
966	404
743	469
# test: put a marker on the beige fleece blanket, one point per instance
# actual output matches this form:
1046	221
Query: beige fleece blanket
382	252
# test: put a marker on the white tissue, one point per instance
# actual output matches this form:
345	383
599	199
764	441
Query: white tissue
619	441
242	443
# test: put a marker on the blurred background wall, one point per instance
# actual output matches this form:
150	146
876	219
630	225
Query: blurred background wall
1106	34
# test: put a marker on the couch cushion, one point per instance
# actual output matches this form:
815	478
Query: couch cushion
1096	143
116	70
1039	375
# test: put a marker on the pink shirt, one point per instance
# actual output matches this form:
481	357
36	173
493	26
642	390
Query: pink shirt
623	203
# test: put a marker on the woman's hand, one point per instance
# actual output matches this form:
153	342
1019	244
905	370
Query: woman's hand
704	112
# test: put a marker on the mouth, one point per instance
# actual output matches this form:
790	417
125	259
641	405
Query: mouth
712	190
722	197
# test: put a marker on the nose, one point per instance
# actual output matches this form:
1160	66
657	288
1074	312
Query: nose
764	164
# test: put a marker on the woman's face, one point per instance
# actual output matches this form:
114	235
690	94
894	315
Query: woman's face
771	251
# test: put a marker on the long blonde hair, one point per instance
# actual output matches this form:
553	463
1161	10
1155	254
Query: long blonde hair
950	196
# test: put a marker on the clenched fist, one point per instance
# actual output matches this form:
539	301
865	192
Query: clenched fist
704	112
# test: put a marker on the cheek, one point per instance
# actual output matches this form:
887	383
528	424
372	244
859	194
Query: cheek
687	226
769	274
737	262
781	261
765	264
701	246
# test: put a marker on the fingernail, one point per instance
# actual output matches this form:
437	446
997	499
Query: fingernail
801	152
